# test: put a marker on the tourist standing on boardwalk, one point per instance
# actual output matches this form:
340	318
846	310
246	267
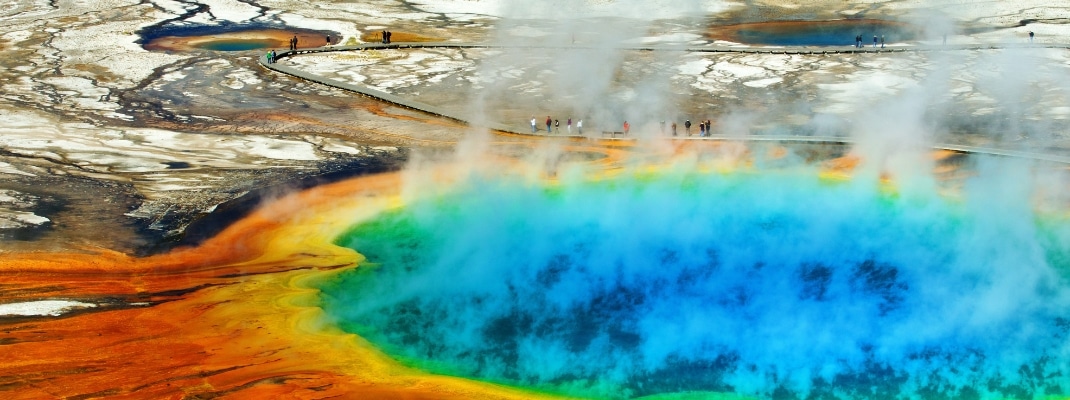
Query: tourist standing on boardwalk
709	131
328	40
569	125
626	128
293	43
882	41
579	126
687	127
533	129
1030	36
549	128
858	41
674	128
557	126
701	129
874	41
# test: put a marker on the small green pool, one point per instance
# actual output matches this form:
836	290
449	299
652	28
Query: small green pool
237	44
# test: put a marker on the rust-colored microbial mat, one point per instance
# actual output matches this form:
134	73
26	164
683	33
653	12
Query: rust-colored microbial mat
230	318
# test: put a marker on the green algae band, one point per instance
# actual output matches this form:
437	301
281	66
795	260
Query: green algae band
756	285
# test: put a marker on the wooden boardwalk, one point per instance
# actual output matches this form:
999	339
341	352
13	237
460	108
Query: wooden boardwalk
440	112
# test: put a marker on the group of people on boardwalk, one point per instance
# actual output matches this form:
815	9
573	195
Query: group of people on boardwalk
704	128
858	41
554	124
272	56
386	36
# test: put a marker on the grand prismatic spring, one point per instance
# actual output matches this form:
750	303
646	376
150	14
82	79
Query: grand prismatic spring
748	282
462	214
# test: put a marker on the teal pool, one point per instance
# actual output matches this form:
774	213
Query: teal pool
818	33
771	285
237	44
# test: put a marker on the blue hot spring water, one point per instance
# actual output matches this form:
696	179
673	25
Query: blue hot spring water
823	33
771	285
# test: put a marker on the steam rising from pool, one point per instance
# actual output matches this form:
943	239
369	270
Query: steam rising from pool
767	283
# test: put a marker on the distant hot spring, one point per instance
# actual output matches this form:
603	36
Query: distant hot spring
233	37
816	33
779	283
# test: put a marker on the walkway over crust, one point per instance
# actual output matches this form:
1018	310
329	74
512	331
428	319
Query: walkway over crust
427	108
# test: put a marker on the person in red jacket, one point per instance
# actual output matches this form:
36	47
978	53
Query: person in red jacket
626	128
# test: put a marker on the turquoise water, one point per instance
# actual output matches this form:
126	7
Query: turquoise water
237	44
824	33
774	285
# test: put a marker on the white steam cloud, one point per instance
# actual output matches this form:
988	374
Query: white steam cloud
758	282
